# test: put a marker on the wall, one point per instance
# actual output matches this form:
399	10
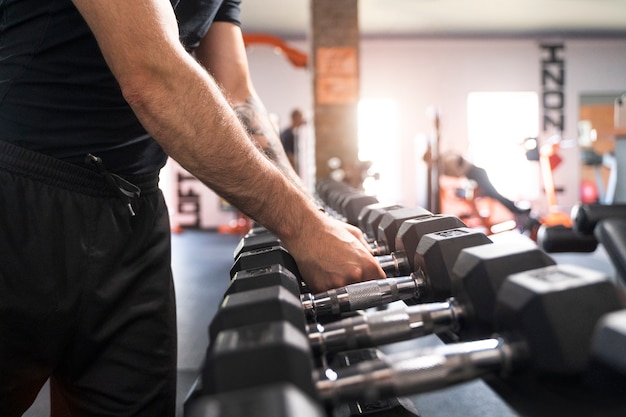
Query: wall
419	73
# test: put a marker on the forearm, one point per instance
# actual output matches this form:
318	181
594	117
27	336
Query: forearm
256	121
192	129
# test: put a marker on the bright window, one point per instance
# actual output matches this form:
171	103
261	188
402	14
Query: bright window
378	137
498	123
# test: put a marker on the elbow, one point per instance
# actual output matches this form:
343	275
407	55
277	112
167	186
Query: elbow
137	90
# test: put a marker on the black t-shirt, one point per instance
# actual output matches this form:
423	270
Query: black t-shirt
288	139
58	96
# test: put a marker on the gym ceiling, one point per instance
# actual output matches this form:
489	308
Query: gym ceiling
451	18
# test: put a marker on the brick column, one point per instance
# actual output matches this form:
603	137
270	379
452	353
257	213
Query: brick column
335	67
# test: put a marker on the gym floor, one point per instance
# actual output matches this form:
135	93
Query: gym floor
201	261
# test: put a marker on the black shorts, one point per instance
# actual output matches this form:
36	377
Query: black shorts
86	292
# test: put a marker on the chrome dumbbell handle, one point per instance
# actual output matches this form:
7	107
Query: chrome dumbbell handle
410	373
384	327
362	295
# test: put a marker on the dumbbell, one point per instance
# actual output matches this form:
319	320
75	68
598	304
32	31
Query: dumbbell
585	217
259	238
477	275
383	223
580	237
325	188
274	400
609	341
544	321
254	357
384	242
559	238
439	249
344	200
369	218
270	303
431	279
605	224
610	232
263	277
436	256
352	204
391	406
265	256
259	354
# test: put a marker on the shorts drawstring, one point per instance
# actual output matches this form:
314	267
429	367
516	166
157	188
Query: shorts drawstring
126	190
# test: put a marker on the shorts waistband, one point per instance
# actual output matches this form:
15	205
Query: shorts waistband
58	173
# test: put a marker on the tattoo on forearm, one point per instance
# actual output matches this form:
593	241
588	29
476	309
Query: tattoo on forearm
250	115
255	120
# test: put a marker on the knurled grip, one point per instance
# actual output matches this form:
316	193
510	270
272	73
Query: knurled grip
370	293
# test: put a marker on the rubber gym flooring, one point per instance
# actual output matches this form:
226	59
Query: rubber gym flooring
201	261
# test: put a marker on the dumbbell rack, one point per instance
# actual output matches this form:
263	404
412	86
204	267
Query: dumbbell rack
491	395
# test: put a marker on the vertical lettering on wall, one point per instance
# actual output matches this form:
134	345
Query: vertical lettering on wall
188	199
553	87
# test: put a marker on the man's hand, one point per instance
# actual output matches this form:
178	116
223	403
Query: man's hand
333	254
356	232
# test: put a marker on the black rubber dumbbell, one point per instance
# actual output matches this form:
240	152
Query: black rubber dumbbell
258	355
265	256
368	294
440	249
352	205
406	228
389	224
260	305
259	238
559	239
263	277
585	217
609	341
410	234
274	400
478	274
369	217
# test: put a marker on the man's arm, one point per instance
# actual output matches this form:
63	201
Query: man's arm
182	107
222	53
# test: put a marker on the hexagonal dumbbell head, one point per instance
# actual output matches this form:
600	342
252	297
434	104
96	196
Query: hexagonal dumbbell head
257	355
351	206
370	216
273	255
390	223
262	277
281	399
261	305
609	340
436	254
411	232
253	241
480	271
555	310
